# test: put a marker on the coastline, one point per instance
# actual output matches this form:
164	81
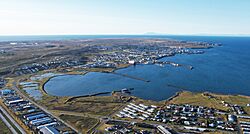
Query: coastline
44	81
121	66
174	96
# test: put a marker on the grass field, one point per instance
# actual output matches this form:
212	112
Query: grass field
99	105
197	99
236	99
211	100
83	124
3	128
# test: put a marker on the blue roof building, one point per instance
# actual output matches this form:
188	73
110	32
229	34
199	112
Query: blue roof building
5	92
49	130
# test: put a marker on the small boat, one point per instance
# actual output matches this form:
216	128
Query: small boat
127	90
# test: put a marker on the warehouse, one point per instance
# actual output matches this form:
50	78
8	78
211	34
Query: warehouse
6	92
36	117
49	130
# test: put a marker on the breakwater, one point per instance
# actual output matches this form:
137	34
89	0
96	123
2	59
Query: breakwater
96	94
129	76
88	95
178	87
174	96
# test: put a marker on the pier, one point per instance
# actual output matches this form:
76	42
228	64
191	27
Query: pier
174	86
132	77
178	87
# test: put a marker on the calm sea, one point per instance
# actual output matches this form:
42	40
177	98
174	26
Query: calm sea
224	69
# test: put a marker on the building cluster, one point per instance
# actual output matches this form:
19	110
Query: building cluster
35	118
204	117
43	76
234	107
32	89
5	52
2	82
134	111
29	85
100	64
192	117
245	127
36	67
139	54
2	51
110	56
102	53
122	127
238	110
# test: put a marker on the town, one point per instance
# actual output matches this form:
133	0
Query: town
124	67
96	53
132	117
187	118
136	54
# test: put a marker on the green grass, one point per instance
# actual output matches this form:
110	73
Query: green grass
3	128
215	101
198	99
83	124
99	105
236	99
17	130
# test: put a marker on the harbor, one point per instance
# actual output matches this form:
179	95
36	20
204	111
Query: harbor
162	63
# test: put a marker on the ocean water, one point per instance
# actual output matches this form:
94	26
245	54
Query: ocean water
224	69
69	37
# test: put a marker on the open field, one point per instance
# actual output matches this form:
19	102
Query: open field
148	102
82	113
198	99
100	69
99	105
83	124
240	100
24	50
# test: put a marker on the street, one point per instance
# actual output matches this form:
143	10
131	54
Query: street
12	120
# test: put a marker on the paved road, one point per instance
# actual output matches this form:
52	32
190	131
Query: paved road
42	108
13	122
8	124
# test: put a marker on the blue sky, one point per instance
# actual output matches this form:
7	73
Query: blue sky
42	17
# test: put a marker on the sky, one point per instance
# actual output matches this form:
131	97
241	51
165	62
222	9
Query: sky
178	17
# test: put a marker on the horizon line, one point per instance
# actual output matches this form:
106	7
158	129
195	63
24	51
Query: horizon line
127	34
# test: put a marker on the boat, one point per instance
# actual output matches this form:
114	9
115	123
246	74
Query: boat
126	90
